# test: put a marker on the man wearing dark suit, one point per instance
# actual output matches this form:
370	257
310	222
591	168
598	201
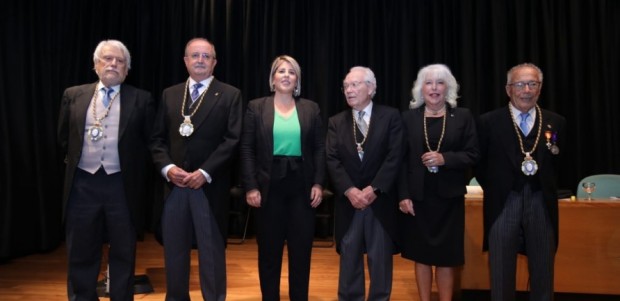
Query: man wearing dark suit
196	132
283	173
364	153
104	129
519	145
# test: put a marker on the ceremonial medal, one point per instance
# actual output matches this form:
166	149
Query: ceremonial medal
186	128
551	141
529	167
95	132
555	149
360	150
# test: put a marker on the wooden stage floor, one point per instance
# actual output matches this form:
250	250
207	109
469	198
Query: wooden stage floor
42	277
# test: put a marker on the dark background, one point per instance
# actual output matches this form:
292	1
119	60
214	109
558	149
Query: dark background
47	46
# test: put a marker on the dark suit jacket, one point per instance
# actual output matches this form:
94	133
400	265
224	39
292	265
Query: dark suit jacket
257	144
217	128
459	149
499	168
137	112
383	152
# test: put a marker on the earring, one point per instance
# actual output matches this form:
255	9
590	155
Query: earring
296	91
273	88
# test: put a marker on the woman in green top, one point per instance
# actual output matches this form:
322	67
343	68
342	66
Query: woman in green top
283	172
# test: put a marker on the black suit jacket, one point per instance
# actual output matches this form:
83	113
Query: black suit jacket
459	149
383	152
217	129
499	169
256	152
137	112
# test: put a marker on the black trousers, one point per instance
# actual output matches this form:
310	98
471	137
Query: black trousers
97	208
285	216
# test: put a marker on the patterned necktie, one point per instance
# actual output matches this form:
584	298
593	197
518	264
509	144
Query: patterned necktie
107	95
523	123
195	93
361	123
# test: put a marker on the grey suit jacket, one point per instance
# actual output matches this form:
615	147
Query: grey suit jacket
136	120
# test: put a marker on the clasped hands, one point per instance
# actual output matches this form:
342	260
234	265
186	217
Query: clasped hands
360	199
182	178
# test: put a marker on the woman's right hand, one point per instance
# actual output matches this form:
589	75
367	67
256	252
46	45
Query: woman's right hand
406	207
253	198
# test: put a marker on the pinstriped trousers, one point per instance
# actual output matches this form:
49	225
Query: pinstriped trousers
187	211
365	234
523	225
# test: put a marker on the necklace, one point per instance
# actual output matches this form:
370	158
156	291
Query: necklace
434	112
529	166
95	132
435	169
360	149
187	128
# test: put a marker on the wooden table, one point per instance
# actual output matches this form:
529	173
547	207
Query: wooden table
588	257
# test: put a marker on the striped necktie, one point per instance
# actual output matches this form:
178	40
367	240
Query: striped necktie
361	123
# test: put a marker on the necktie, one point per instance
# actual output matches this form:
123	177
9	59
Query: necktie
195	92
361	123
107	95
523	123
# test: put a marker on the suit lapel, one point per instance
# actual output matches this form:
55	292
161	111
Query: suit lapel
128	98
212	96
509	138
81	106
348	139
371	140
268	119
547	125
306	119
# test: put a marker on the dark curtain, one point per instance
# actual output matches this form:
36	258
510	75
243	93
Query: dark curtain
47	46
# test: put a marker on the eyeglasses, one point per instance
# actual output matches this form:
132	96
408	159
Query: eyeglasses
521	85
197	56
108	59
353	85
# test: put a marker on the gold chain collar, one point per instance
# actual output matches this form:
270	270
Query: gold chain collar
443	131
514	123
107	109
359	145
202	96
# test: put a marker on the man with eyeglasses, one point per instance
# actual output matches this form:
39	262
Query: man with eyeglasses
519	146
364	153
196	133
104	129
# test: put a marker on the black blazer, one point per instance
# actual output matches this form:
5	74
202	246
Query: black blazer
137	112
383	152
256	151
459	149
217	129
500	164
